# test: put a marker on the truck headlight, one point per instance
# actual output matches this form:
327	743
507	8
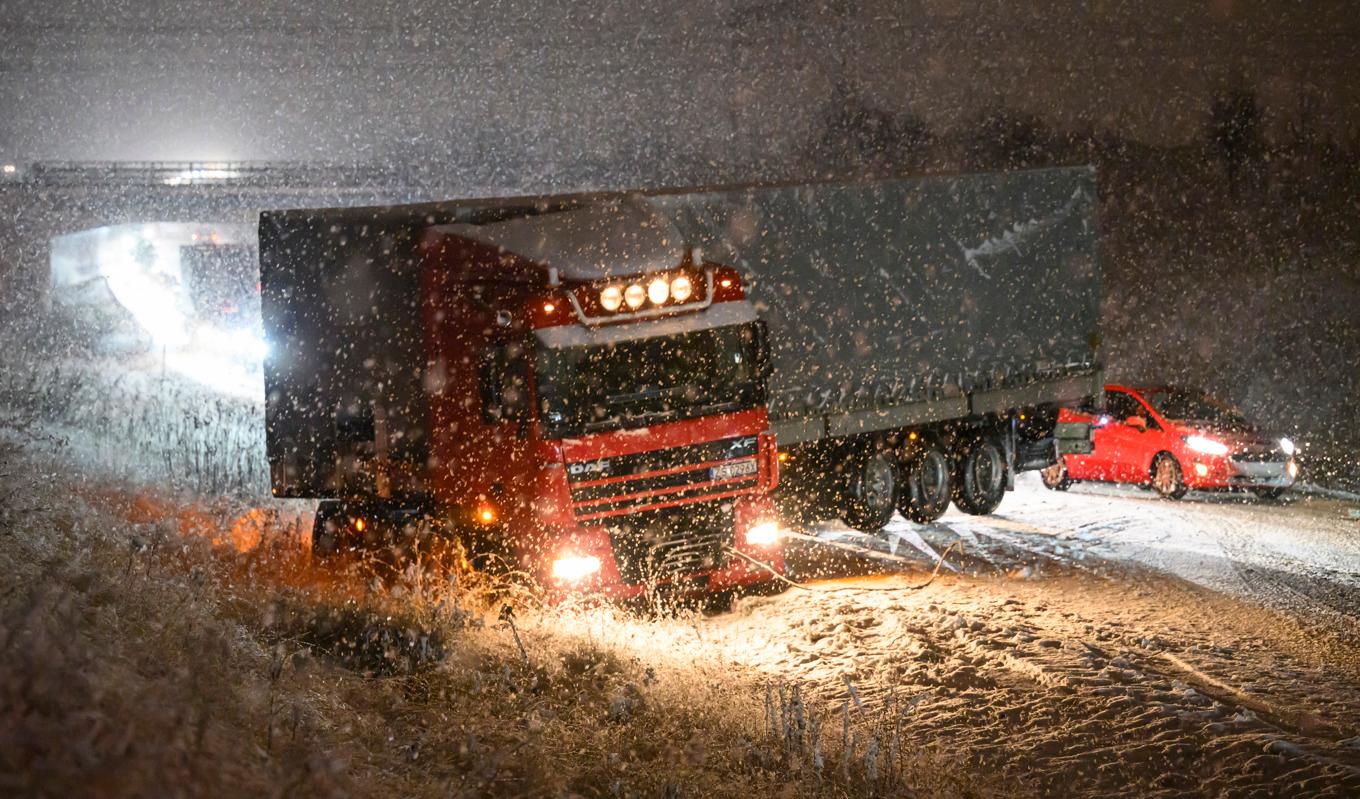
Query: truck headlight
1208	446
611	298
763	535
681	288
1287	446
634	295
574	568
658	291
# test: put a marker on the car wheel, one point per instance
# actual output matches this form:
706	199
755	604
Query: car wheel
927	484
1167	479
980	478
1269	494
1055	477
870	494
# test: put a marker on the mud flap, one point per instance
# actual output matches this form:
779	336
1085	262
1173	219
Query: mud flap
1008	449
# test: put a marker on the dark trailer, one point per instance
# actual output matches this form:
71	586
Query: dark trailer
924	331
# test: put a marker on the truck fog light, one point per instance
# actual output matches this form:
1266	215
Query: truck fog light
611	298
681	288
1201	470
634	295
1292	468
763	535
658	291
574	568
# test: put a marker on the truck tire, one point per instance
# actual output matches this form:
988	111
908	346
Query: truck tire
870	494
325	531
980	478
1167	478
927	484
1055	477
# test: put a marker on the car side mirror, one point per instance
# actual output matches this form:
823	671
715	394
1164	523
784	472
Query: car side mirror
1138	422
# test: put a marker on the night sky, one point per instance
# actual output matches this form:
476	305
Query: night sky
557	81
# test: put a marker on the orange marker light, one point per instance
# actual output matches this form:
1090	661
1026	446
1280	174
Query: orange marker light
783	457
912	435
725	283
359	525
486	514
549	307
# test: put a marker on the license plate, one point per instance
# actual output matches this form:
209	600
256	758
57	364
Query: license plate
727	471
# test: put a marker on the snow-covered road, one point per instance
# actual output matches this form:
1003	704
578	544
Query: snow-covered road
1092	643
1300	556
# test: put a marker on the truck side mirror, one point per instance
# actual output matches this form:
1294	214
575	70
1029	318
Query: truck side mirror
503	380
762	346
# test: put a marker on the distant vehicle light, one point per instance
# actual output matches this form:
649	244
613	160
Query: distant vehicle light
1292	468
658	291
9	169
1208	446
763	535
574	568
611	298
681	288
634	295
1287	446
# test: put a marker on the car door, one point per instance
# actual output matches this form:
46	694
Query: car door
1118	444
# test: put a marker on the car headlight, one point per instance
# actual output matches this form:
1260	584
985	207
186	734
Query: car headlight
574	568
763	535
1207	446
1287	446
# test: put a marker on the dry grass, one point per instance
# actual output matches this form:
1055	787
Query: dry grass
137	657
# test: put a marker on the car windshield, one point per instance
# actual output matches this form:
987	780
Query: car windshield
1185	405
644	381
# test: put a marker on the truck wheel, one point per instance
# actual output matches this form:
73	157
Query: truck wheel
1167	479
980	478
870	494
1055	477
325	530
926	485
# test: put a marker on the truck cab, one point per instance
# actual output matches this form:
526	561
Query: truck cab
594	400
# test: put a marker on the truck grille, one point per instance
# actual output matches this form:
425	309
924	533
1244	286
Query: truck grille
668	545
624	484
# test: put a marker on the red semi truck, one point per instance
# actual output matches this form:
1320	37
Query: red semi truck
559	379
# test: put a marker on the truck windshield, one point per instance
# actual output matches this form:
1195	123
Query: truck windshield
646	381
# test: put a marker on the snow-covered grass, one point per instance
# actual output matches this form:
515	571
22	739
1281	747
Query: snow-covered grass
151	644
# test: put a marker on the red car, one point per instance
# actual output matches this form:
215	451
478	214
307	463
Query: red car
1176	439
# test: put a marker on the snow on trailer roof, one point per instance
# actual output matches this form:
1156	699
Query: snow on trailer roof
595	241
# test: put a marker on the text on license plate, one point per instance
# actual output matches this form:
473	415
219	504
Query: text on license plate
727	471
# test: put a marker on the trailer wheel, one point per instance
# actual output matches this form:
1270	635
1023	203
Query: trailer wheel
980	478
870	494
926	485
